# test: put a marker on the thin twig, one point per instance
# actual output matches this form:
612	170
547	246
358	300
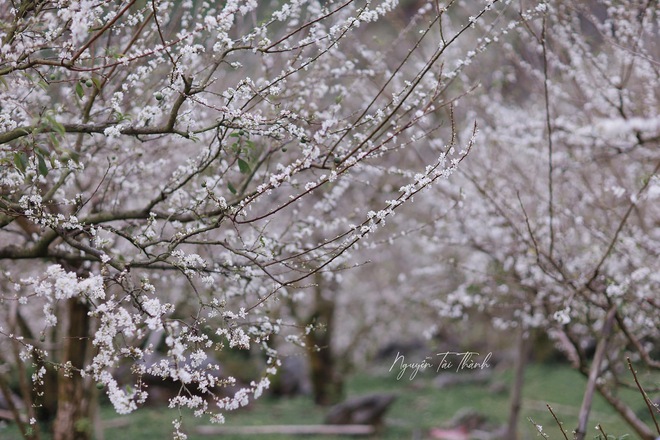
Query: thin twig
642	430
537	250
551	213
649	405
538	428
561	426
621	225
101	31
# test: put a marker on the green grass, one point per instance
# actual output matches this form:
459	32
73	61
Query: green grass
419	407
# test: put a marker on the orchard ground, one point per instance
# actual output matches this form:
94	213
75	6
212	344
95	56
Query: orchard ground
419	407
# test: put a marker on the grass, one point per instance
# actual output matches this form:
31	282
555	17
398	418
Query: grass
418	408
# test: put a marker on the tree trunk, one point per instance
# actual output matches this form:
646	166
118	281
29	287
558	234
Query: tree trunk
72	421
517	387
327	382
594	374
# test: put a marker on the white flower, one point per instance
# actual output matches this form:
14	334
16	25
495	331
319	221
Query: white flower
563	316
112	131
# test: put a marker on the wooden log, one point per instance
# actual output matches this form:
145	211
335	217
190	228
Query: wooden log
288	430
361	410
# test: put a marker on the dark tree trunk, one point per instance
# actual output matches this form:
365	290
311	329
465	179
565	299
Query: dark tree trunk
72	421
327	381
517	386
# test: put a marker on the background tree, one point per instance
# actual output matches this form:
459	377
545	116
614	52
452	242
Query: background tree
159	166
551	231
560	216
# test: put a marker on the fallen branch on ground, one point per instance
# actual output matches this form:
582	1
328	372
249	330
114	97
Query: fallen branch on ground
288	429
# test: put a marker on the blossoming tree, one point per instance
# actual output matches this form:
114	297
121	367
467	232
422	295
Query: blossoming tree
160	166
559	221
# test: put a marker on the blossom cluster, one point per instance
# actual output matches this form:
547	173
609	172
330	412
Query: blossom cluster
171	170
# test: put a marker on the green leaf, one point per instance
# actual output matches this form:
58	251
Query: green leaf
244	166
121	117
43	169
74	156
41	151
55	142
20	160
79	90
231	188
